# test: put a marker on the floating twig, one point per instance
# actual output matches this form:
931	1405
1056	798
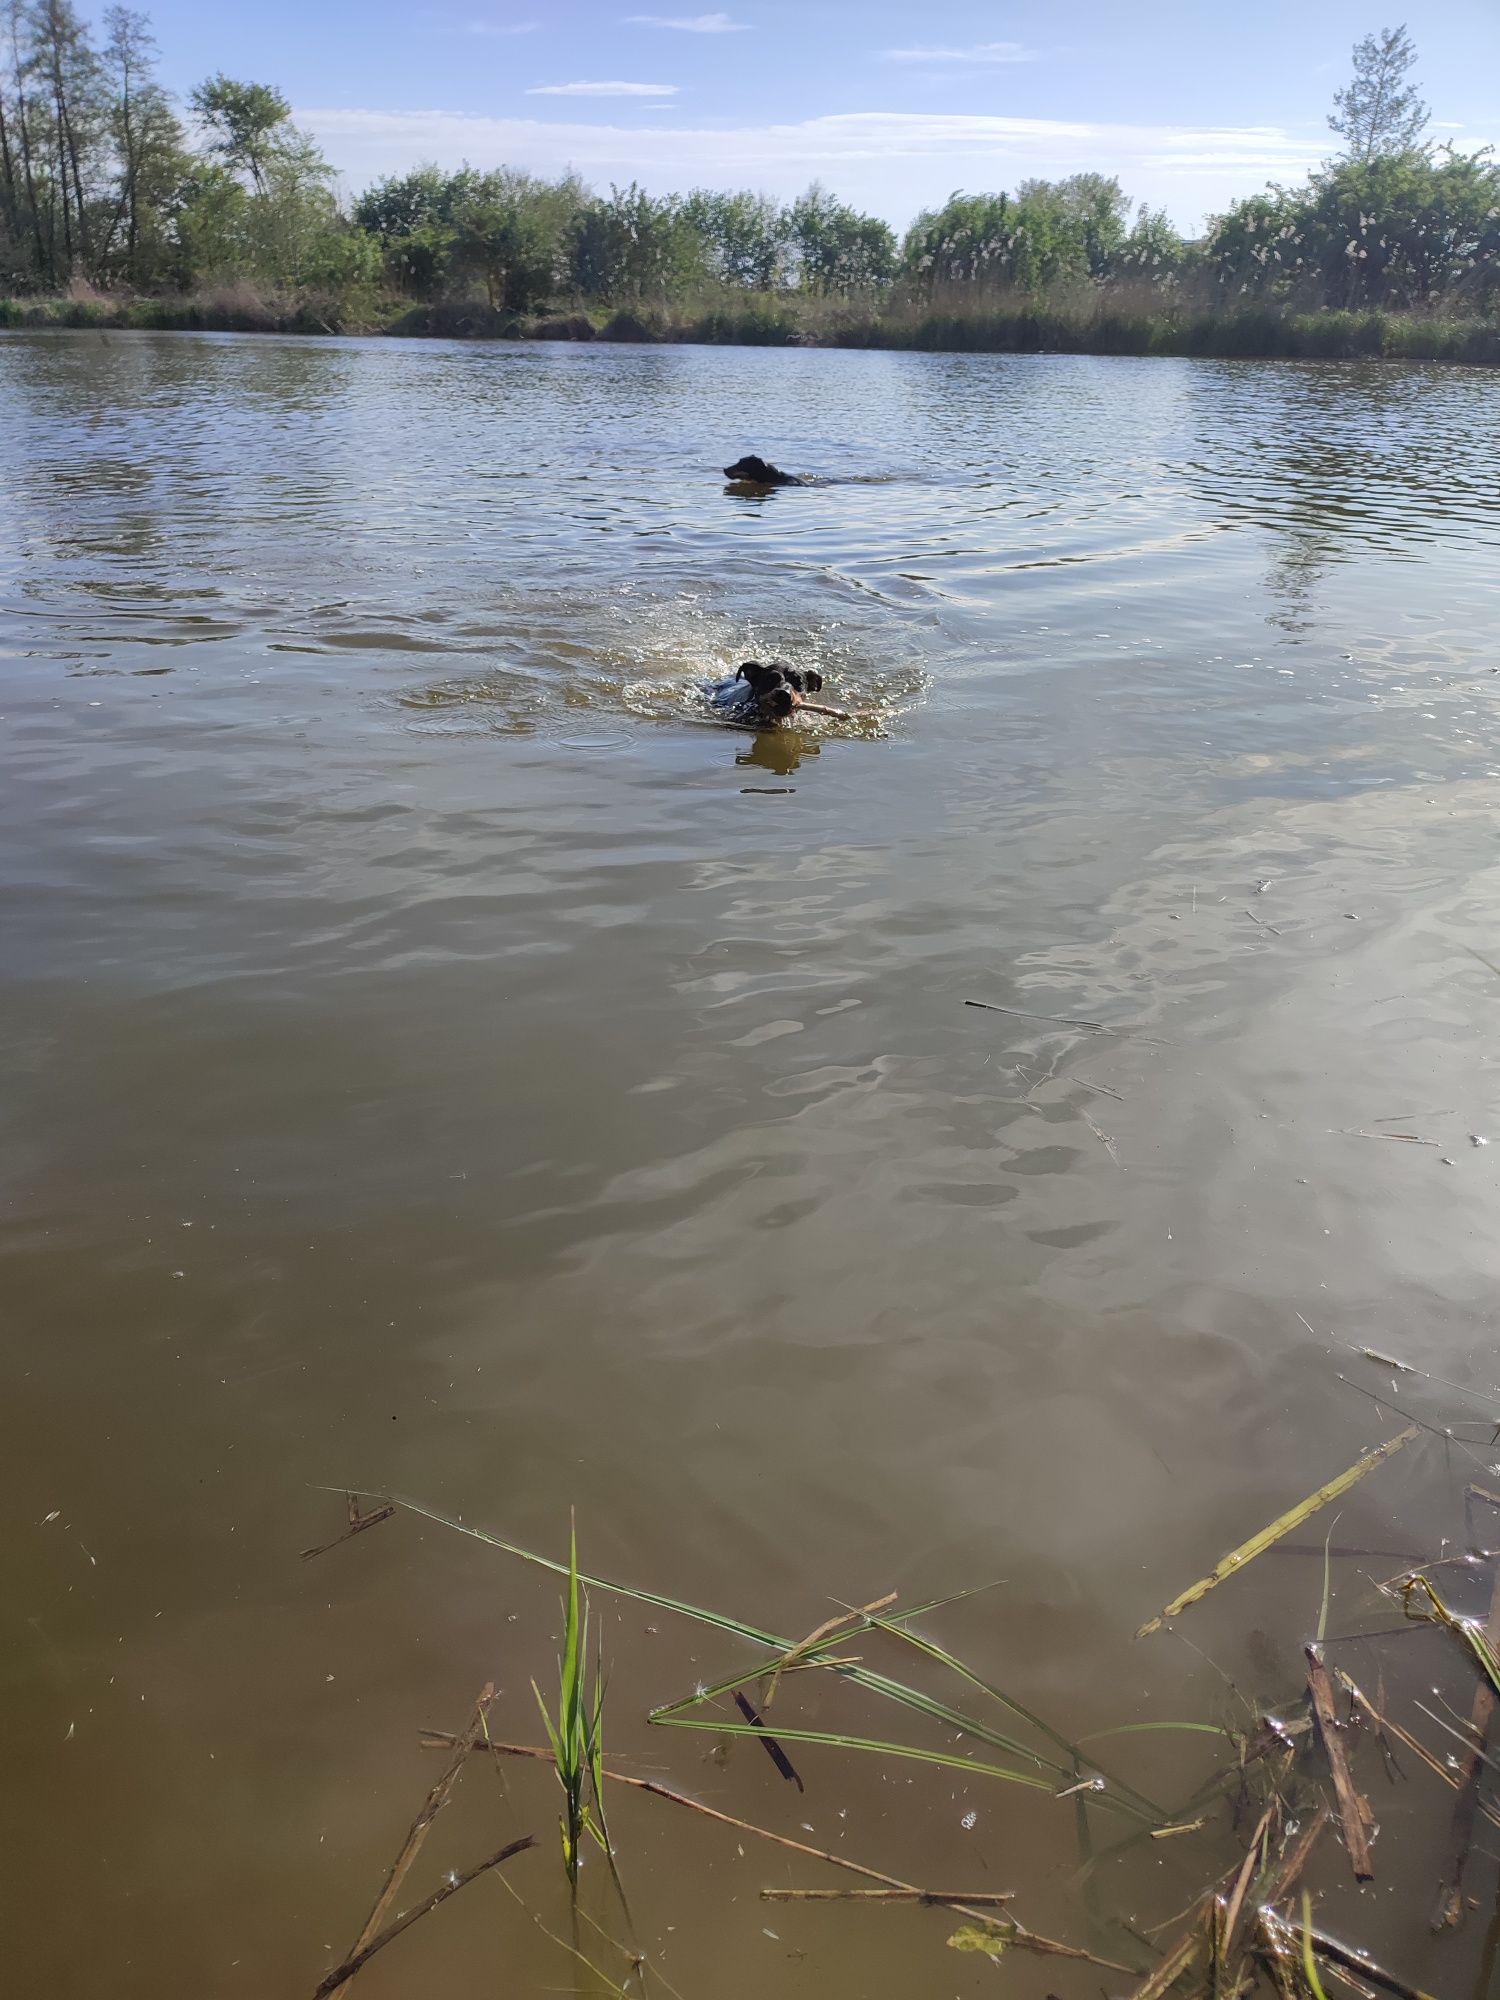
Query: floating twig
1467	1629
1057	1020
996	1934
473	1737
1405	1138
943	1896
358	1522
1104	1140
794	1656
767	1742
1263	924
1102	1088
1357	1962
1354	1809
434	1739
1171	1968
1235	1561
335	1981
1450	1904
1252	1865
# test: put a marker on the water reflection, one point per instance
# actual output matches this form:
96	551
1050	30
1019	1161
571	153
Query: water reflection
778	750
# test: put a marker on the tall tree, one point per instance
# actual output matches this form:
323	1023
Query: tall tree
245	124
68	69
21	75
151	162
1378	111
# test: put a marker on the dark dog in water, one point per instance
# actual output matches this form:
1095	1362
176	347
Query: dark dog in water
765	695
753	471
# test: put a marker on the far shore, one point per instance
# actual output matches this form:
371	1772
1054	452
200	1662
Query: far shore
1094	325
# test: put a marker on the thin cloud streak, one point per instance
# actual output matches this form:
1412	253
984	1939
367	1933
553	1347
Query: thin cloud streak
592	90
890	163
981	52
690	24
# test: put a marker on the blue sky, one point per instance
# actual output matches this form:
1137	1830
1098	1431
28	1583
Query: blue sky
890	104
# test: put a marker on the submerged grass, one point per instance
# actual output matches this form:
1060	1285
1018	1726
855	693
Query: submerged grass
1248	1930
1108	1792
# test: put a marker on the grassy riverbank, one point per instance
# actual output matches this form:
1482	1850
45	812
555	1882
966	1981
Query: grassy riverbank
1099	322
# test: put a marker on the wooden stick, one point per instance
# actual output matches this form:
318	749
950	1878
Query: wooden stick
357	1524
1450	1904
794	1654
955	1896
1359	1962
436	1739
335	1981
1170	1969
1354	1808
1010	1928
1057	1020
1250	1867
432	1805
1297	1860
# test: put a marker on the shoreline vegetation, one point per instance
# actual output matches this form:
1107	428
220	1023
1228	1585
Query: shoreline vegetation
1098	323
119	209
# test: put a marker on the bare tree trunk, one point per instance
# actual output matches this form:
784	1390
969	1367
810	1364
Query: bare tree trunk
44	259
7	167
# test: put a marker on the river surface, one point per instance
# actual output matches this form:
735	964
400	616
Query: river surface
435	1057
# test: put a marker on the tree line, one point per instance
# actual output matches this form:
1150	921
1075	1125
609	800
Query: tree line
103	184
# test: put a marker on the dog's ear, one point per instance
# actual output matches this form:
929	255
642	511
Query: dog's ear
757	675
812	681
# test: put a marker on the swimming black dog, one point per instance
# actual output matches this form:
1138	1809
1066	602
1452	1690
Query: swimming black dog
764	695
754	471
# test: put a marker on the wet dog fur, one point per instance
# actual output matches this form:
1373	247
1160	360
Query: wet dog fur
752	470
768	693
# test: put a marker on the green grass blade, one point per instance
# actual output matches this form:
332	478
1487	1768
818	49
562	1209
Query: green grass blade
1151	1728
833	1741
864	1677
1309	1962
1070	1750
1327	1580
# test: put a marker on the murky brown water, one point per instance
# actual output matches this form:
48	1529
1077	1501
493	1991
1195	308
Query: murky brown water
436	1058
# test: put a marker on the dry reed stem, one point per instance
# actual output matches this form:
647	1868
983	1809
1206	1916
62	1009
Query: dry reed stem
357	1524
439	1739
953	1898
335	1981
1346	1957
432	1805
1236	1560
1450	1906
794	1654
1057	1020
1250	1867
1171	1968
1013	1931
1354	1809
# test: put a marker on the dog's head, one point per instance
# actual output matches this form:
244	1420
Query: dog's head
777	689
754	471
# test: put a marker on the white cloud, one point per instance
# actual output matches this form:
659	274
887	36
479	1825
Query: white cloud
690	24
981	52
498	28
590	90
890	163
